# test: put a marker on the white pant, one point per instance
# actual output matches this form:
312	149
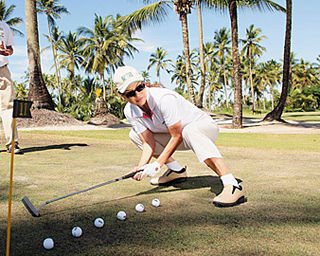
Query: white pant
6	103
199	136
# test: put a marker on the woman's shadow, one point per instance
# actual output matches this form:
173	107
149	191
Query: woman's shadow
195	182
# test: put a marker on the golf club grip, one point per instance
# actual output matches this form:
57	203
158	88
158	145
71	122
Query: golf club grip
130	175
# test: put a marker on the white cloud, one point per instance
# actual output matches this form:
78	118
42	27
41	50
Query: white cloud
148	47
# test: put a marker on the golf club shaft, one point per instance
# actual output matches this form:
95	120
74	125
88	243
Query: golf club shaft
129	175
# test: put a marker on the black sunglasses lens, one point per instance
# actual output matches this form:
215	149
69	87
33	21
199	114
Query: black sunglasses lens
140	88
132	93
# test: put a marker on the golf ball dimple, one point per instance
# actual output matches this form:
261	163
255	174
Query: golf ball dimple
155	202
121	215
99	222
76	232
139	207
48	243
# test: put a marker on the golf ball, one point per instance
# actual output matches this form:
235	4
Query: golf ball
76	232
121	215
99	222
155	202
139	207
48	243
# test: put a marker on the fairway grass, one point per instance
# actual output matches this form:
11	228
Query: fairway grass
280	174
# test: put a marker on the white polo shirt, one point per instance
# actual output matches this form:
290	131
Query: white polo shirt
6	35
168	108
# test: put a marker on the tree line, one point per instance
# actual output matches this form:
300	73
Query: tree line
224	73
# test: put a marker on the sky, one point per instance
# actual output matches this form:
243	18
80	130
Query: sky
305	31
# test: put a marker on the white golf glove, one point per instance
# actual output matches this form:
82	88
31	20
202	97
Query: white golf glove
149	170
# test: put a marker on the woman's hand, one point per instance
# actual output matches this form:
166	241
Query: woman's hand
138	174
148	170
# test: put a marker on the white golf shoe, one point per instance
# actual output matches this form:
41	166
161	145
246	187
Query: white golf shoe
230	196
170	177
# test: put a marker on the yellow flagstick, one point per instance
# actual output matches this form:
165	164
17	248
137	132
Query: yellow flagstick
10	187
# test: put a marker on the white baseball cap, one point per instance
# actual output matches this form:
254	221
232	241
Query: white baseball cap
124	76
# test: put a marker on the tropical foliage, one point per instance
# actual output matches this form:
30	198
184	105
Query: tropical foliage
84	62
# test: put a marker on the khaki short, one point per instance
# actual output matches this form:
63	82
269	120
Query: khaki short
198	136
6	89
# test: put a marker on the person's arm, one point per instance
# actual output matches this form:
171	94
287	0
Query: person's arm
175	131
148	146
150	170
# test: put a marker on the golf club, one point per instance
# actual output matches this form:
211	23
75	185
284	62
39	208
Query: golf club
35	212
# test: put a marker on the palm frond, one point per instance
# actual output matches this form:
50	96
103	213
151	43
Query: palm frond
261	5
153	13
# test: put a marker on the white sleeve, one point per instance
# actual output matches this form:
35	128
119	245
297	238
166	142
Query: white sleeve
136	125
8	35
170	109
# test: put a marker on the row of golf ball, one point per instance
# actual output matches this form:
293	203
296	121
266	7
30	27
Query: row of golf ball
48	243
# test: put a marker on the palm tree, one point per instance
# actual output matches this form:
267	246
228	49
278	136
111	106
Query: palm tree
5	15
55	39
155	13
52	9
159	60
106	45
199	101
38	92
268	74
222	45
251	49
276	113
146	76
70	56
237	106
303	74
232	6
179	74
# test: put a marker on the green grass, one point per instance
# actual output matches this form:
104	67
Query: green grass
280	174
289	116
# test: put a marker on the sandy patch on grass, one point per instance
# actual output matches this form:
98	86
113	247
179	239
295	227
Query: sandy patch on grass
225	127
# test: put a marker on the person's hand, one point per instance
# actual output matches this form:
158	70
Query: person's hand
3	83
149	170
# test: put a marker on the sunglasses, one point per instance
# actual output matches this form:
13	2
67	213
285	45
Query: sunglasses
133	93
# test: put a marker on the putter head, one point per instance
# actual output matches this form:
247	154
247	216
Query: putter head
30	207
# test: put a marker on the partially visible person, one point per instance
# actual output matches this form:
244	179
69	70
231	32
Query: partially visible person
163	122
6	87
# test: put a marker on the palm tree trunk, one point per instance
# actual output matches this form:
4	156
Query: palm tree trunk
111	84
54	54
237	106
38	92
272	96
252	88
199	102
103	87
225	83
276	113
185	34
